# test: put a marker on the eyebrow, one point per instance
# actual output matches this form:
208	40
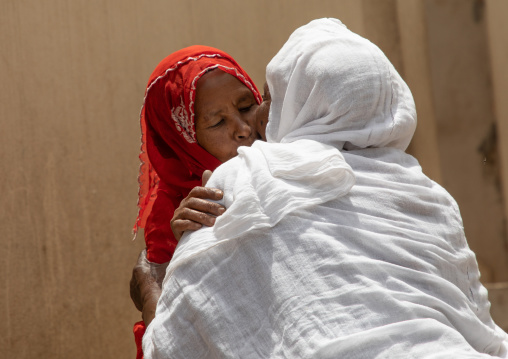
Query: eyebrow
243	98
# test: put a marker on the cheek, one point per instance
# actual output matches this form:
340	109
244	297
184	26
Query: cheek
262	115
218	144
208	141
251	116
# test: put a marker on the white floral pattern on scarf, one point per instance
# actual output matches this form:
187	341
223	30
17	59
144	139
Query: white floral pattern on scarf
183	123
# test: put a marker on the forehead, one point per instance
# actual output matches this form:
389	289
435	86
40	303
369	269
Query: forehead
216	88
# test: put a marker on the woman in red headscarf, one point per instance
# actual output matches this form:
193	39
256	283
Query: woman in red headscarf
199	107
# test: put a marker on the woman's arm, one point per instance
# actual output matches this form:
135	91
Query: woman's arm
146	285
193	212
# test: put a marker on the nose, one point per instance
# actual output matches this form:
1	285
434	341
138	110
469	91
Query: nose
242	129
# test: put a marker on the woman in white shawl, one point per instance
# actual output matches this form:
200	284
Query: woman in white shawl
334	244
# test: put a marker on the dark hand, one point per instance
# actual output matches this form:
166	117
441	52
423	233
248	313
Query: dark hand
146	286
195	210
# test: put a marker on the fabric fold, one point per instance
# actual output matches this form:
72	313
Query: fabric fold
277	179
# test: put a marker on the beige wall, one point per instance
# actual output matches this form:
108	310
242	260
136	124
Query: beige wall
497	28
73	76
462	91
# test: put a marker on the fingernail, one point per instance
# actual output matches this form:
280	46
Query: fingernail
222	210
219	192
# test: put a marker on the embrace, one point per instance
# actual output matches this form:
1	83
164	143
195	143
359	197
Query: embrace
317	235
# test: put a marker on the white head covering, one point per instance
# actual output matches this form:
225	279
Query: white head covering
331	85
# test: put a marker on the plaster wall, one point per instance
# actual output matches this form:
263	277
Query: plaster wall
463	101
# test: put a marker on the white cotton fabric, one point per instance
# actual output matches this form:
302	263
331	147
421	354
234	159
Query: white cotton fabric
333	86
381	269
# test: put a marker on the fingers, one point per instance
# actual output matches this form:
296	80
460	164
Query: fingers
206	176
187	219
178	226
202	214
195	208
206	193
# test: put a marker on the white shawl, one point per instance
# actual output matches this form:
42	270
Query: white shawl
302	265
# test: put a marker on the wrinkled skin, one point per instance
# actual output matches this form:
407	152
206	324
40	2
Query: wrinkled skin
225	111
146	286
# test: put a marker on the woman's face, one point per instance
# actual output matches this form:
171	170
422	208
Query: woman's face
225	111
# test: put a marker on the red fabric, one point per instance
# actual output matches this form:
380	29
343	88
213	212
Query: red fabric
139	331
172	162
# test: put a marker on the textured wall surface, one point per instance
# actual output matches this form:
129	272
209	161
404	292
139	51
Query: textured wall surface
73	77
462	90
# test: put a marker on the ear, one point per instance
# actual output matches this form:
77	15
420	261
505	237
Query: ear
206	176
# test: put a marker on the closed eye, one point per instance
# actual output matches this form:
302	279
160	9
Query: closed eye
217	124
245	109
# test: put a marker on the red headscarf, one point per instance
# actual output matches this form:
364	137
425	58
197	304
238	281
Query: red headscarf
172	162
